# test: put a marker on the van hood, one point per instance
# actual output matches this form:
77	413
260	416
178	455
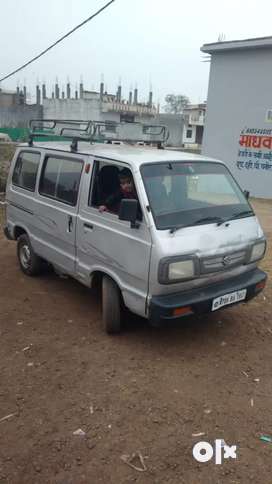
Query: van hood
211	239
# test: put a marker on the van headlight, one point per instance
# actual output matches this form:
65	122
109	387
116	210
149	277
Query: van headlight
177	269
258	251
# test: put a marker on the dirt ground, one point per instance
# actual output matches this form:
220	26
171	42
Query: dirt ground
146	391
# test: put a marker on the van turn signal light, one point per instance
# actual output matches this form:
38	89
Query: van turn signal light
260	286
182	311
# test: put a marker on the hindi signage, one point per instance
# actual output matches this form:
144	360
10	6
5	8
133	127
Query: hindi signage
255	150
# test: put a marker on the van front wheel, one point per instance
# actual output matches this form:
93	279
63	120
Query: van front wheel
111	306
29	262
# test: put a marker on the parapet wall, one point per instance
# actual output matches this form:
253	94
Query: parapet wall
19	115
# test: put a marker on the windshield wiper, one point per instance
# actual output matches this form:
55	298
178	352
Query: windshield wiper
215	219
244	213
203	220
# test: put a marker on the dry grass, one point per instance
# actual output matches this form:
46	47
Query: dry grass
2	214
6	153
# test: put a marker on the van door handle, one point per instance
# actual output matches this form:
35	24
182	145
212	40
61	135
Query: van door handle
70	223
88	226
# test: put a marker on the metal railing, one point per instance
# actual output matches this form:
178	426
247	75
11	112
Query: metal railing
101	131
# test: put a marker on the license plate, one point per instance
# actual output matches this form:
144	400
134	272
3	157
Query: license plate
230	298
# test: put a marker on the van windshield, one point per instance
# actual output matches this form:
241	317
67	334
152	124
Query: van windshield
192	193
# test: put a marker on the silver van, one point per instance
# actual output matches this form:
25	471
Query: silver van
184	241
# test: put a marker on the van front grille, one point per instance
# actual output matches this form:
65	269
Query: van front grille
223	262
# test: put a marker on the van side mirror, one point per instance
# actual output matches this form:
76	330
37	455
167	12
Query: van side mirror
246	193
128	211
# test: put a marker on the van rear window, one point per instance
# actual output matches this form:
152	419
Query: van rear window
61	178
25	170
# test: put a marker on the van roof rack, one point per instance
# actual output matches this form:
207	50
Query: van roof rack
98	131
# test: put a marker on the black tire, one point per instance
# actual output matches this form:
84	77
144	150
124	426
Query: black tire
111	306
30	263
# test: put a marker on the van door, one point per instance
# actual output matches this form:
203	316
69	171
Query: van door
21	189
109	245
56	210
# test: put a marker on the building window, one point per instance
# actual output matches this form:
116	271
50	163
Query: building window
25	171
105	187
127	118
189	133
60	179
269	115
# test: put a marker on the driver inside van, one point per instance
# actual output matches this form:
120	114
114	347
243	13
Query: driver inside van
126	190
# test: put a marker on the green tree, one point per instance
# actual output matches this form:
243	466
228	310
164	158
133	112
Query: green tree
175	103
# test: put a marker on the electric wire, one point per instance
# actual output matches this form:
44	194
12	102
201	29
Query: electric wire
58	41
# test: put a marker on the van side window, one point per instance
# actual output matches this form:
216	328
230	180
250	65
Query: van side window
60	179
105	183
111	184
25	170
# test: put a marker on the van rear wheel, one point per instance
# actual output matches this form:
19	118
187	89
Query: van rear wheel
30	263
111	306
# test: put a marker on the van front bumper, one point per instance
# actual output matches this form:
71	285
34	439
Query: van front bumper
200	300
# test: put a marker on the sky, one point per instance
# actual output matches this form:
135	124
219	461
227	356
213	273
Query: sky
141	42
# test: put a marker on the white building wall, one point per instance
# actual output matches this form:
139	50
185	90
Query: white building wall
84	109
71	109
174	123
239	98
90	109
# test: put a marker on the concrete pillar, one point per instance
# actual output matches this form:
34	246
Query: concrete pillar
68	90
135	100
44	91
119	94
25	94
101	90
81	90
38	95
57	91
